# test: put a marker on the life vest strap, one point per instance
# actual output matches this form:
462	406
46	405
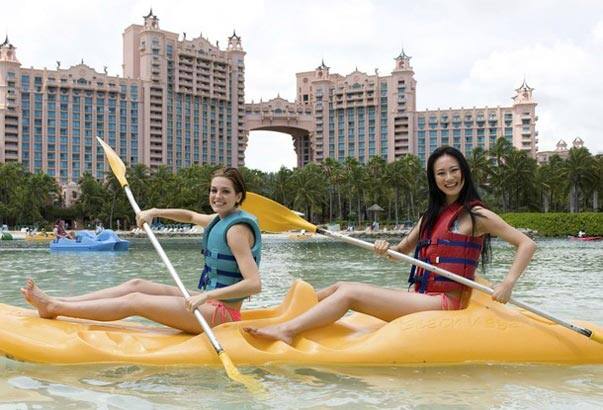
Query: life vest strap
460	261
464	244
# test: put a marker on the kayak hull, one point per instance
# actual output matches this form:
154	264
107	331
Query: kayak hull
586	238
484	332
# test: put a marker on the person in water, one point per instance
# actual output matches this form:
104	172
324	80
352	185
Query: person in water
60	231
452	234
232	246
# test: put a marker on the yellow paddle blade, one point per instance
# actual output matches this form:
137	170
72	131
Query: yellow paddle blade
272	216
116	164
596	337
251	384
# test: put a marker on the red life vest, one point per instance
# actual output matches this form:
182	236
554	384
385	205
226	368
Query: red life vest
451	251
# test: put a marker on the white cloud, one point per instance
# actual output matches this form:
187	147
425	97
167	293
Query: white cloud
598	32
567	81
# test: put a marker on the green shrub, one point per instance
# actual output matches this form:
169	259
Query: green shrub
557	223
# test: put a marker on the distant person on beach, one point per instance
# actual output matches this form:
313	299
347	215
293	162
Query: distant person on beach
232	246
453	234
581	234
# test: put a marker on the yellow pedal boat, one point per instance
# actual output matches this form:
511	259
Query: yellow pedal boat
40	236
484	332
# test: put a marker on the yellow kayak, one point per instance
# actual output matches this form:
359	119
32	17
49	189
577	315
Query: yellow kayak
484	332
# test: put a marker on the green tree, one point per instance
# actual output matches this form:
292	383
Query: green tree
579	171
309	189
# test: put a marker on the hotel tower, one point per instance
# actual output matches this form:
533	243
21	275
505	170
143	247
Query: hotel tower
362	115
181	102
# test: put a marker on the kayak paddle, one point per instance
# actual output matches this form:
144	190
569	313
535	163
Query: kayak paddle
274	217
119	169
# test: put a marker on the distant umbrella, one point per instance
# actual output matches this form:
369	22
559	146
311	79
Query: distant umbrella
374	209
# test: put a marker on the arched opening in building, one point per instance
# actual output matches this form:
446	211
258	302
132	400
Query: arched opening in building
268	151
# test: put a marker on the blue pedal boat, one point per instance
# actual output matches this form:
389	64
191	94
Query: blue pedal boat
106	240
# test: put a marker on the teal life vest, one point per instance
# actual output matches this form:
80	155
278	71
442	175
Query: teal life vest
221	268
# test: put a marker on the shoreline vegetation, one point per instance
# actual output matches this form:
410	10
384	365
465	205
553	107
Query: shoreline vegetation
534	224
353	194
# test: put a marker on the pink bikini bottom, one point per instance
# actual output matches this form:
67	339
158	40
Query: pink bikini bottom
447	302
223	313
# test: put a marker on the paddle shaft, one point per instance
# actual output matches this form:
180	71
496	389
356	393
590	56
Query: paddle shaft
216	345
456	278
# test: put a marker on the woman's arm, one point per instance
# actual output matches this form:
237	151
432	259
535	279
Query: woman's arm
406	245
409	242
179	215
491	223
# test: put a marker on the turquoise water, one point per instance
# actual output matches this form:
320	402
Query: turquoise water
564	279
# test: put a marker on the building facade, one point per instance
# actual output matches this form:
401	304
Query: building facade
180	102
193	96
362	116
49	118
561	150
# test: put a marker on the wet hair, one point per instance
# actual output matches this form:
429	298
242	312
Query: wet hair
437	199
234	175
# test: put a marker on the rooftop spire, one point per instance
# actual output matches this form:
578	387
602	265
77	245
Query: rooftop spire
322	65
150	20
524	86
150	14
403	55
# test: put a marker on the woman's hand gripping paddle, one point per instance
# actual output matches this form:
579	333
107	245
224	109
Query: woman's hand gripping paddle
119	169
274	217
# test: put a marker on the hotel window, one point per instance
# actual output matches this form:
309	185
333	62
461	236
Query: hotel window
421	123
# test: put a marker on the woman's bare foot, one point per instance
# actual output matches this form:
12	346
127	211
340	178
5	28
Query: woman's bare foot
38	299
271	333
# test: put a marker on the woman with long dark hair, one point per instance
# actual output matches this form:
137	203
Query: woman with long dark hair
232	246
453	234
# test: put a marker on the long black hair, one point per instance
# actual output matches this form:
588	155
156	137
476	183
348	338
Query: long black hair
437	199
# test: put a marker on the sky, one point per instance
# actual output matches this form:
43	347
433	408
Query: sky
465	53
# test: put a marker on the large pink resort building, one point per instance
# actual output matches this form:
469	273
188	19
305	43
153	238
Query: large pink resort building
181	101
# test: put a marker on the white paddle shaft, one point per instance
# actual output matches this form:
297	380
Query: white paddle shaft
456	278
173	272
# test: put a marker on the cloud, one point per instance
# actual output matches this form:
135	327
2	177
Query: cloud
598	32
567	81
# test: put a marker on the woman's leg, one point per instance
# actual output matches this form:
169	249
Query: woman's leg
386	304
167	310
131	286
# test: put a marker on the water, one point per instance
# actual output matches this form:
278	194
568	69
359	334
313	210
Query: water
564	279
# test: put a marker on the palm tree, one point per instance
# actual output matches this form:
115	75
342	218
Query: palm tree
309	189
598	180
579	171
520	170
406	175
480	167
193	183
501	150
281	185
138	180
355	182
163	187
499	178
12	176
332	170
